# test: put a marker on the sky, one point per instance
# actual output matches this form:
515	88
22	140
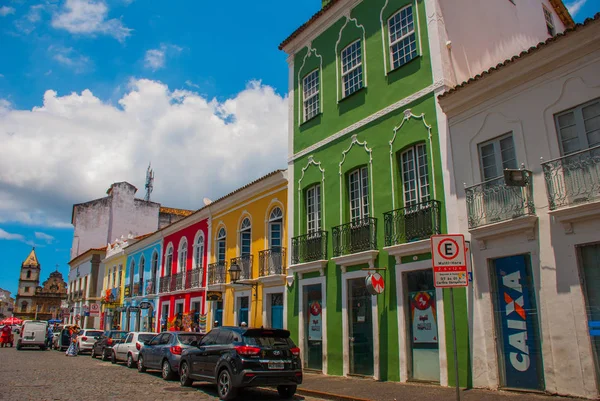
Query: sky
92	91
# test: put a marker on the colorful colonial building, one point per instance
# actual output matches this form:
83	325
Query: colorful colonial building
368	159
113	268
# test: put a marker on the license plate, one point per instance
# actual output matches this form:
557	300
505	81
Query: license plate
276	365
29	337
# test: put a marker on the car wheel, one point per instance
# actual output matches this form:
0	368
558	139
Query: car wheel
113	357
18	347
92	353
140	365
130	361
184	375
104	355
286	391
167	372
225	386
42	348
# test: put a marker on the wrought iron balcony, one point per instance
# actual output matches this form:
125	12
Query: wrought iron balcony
216	272
150	287
138	288
193	278
357	236
309	247
573	179
165	282
412	223
271	262
177	281
245	264
493	201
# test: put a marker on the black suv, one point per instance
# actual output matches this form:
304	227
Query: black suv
235	357
103	346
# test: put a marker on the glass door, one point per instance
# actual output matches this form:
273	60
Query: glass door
243	310
313	327
360	325
277	311
422	329
589	262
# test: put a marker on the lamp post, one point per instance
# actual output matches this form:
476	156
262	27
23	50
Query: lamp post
234	274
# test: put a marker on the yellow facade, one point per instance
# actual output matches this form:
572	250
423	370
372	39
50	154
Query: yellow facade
259	249
114	278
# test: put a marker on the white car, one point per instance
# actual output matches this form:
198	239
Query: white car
129	350
33	334
87	338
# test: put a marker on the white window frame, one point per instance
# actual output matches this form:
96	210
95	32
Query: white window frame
401	38
141	269
131	276
313	218
221	239
419	189
362	194
169	261
497	155
549	18
316	94
182	255
199	251
275	219
244	229
351	70
579	126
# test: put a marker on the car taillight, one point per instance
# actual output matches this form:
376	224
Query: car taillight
246	350
295	351
176	350
138	346
84	338
109	341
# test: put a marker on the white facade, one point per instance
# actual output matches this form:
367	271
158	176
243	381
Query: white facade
522	100
84	289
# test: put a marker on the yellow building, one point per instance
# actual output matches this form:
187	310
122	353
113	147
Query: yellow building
247	235
113	266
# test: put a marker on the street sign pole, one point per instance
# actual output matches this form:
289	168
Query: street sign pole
455	347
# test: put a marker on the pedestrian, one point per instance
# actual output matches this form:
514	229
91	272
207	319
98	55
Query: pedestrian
5	336
216	324
50	337
243	324
72	350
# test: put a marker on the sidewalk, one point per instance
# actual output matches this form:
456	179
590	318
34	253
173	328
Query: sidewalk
358	389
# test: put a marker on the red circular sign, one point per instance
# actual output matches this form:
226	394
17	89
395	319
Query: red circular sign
375	283
442	254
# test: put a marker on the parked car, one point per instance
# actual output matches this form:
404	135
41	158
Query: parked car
103	346
163	352
236	357
87	338
128	350
33	334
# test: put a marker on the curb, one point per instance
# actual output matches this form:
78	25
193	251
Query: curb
329	396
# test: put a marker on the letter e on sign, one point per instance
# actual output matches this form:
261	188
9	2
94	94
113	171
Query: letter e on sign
449	259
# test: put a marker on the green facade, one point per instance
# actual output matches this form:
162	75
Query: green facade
376	145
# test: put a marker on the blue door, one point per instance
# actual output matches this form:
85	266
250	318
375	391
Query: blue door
243	310
277	311
516	316
219	312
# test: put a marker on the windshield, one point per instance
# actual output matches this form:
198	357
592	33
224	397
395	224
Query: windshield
269	342
119	335
93	333
188	338
145	337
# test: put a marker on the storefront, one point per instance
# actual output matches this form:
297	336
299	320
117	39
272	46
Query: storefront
313	323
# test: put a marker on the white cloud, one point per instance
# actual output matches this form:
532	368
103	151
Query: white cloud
89	17
155	59
45	237
71	148
70	58
11	237
5	10
191	84
575	6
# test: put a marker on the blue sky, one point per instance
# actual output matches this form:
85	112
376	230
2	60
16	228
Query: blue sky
91	91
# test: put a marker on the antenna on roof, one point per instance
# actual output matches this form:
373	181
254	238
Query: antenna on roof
149	182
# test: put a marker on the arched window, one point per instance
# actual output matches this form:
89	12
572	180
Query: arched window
275	229
199	252
169	261
141	270
28	273
182	255
155	272
221	238
245	237
131	276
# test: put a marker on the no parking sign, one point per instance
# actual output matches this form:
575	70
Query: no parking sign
449	260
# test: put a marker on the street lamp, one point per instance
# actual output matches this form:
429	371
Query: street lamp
516	177
234	274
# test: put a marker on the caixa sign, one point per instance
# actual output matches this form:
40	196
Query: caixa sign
516	319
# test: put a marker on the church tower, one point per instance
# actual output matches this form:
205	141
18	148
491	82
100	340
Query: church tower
29	280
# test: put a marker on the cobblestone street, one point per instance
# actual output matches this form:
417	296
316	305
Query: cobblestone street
49	375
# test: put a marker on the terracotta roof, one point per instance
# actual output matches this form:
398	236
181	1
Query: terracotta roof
177	212
520	56
558	6
140	237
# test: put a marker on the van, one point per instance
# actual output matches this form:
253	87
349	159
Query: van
33	334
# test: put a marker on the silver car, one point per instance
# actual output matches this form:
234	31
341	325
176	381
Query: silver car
164	352
87	338
128	351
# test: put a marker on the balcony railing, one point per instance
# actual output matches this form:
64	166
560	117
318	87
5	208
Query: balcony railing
493	201
573	179
245	264
165	282
412	223
216	272
358	236
150	287
271	262
138	288
177	281
193	278
309	247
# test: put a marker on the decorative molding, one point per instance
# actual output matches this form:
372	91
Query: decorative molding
355	141
367	120
301	91
567	216
308	267
407	249
383	41
272	279
407	116
354	259
525	224
312	161
338	66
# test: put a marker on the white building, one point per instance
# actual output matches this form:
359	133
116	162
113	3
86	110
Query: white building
535	300
85	288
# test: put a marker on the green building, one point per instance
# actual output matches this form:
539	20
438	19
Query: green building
366	179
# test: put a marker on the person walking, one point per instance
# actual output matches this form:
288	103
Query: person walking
72	350
5	336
